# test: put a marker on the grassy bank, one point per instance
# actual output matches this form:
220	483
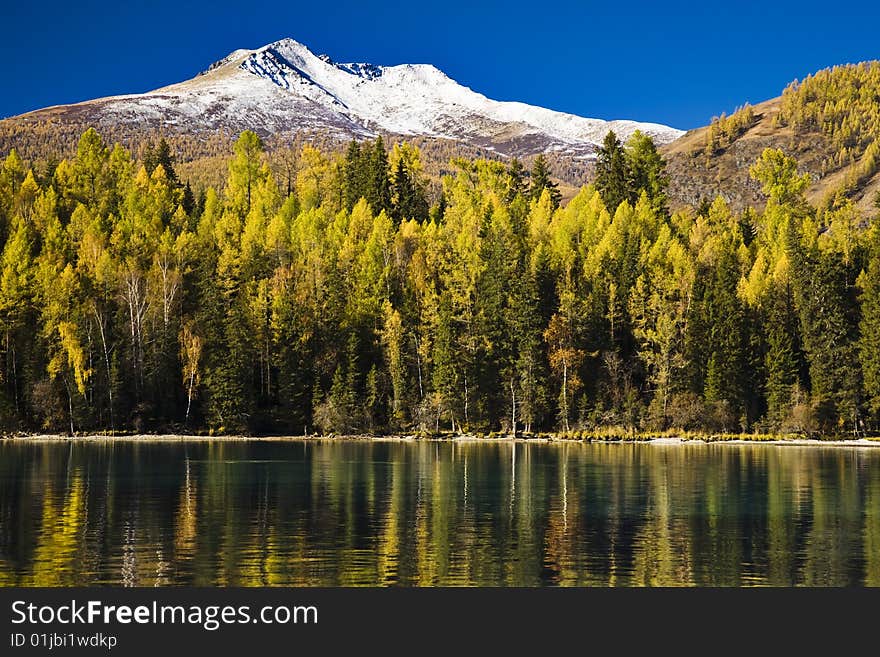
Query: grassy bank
618	435
608	435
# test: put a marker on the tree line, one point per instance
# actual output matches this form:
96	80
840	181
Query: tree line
349	299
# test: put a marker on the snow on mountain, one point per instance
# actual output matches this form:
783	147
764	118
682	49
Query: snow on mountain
284	87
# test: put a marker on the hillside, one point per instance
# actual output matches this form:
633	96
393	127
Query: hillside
828	122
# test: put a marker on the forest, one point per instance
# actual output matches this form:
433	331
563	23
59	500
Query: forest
348	294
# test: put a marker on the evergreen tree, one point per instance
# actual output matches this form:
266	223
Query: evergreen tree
148	158
612	173
447	375
354	168
188	200
826	304
781	359
540	180
407	198
516	183
165	159
160	155
717	338
378	186
726	364
869	339
496	356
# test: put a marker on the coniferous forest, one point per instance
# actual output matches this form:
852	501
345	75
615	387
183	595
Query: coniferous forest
352	296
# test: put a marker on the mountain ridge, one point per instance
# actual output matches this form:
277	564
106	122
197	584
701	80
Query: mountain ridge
289	95
284	87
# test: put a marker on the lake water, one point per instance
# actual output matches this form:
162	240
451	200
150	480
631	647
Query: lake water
255	513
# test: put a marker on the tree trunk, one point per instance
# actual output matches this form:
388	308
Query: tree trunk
466	419
10	348
419	368
189	395
69	405
565	394
512	406
107	364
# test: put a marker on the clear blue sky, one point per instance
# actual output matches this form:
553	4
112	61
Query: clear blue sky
670	61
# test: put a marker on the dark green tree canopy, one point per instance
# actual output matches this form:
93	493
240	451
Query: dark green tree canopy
613	173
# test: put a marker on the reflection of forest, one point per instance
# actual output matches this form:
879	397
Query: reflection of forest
430	513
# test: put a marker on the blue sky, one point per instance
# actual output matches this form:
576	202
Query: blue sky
670	62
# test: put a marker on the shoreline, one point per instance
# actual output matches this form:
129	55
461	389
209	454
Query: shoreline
655	440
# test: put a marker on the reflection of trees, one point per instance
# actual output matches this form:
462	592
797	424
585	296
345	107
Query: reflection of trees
432	513
55	554
871	532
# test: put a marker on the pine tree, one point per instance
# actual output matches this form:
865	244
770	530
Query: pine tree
378	187
781	359
188	200
659	304
353	379
612	173
334	415
373	407
826	305
516	183
354	170
408	197
403	194
148	158
496	357
869	339
725	375
540	180
165	159
447	372
393	341
529	369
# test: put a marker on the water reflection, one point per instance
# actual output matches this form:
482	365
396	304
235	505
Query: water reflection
431	513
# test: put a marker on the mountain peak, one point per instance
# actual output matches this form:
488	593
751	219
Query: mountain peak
287	41
290	47
419	99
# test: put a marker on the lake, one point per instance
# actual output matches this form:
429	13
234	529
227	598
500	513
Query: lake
353	513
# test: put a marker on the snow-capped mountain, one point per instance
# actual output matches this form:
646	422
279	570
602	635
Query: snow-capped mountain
284	88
